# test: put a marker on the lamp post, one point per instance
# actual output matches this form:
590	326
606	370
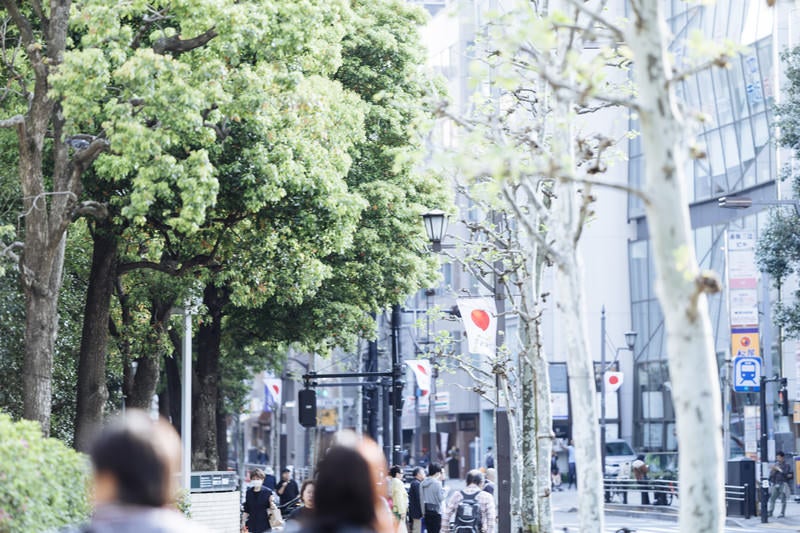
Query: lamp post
743	202
435	227
630	341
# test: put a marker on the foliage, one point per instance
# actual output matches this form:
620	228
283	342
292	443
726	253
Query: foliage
778	251
43	484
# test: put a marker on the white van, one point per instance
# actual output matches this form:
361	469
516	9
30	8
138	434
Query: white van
619	454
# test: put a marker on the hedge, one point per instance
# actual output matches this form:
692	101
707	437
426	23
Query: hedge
44	484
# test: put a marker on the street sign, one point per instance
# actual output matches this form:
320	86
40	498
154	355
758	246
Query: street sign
746	374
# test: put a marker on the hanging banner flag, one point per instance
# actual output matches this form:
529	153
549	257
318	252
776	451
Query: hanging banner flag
613	381
422	371
479	316
274	388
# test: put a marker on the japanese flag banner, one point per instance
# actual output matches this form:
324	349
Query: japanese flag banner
613	381
422	371
274	388
479	316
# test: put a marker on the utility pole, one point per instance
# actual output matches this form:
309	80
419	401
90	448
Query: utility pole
397	388
501	424
603	390
762	396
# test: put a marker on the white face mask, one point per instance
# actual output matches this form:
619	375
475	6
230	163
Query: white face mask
257	483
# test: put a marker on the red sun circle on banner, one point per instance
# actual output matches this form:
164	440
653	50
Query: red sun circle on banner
613	380
276	389
480	318
422	370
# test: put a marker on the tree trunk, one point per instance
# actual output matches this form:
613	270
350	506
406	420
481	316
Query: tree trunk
205	394
679	284
145	382
222	433
543	420
173	376
41	329
92	392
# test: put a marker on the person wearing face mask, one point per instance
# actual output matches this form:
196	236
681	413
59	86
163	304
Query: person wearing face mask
257	503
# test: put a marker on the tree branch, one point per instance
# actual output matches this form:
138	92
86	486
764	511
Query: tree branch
598	18
12	122
23	24
94	209
176	46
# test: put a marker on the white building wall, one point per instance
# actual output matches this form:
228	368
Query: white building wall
218	511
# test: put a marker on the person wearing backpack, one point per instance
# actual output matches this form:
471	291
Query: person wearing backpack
470	510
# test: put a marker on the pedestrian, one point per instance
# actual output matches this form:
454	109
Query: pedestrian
432	497
572	471
136	461
640	470
415	500
288	492
779	476
470	510
305	513
491	479
345	493
257	504
555	473
488	459
397	491
453	460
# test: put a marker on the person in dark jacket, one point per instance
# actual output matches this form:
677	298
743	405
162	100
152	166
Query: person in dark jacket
257	504
415	500
288	491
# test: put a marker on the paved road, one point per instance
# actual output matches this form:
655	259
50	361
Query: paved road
565	518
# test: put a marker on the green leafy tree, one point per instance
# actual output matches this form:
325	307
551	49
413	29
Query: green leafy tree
778	250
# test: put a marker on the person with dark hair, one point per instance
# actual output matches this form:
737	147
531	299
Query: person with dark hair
432	494
288	491
780	474
344	493
470	509
136	461
305	513
415	500
640	471
397	491
257	504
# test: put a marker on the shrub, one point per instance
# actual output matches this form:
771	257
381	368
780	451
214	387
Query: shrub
44	485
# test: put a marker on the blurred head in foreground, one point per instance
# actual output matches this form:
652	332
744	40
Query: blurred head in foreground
136	461
349	484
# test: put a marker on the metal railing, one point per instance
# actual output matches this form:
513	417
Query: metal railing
662	492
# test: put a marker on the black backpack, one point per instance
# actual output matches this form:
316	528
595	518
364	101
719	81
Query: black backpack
468	514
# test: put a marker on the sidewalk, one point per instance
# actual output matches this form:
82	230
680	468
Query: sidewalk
566	501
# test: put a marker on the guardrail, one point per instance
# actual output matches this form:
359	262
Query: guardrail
662	492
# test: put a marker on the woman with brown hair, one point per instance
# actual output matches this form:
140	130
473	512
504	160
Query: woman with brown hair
305	513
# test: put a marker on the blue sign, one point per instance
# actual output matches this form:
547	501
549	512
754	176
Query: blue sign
747	374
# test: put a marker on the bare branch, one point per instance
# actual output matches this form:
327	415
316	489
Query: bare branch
97	210
176	46
720	61
23	24
598	18
12	122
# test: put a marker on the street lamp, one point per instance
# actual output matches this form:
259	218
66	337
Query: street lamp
630	341
435	226
743	202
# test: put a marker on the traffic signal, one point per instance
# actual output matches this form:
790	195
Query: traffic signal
307	402
783	398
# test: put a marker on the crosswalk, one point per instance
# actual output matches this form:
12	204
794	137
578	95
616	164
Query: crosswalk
618	525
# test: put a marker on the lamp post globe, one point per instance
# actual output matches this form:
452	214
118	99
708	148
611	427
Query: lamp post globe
435	227
630	339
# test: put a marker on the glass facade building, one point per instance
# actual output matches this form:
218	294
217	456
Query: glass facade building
732	108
